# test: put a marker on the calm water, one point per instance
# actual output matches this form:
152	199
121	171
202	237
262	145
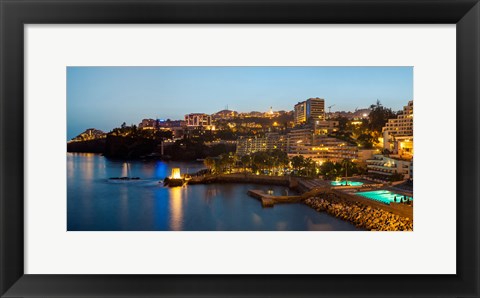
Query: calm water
97	204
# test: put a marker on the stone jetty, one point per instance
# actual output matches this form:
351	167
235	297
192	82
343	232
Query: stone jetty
269	200
367	217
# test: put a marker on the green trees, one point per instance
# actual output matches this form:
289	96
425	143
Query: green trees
304	166
366	140
378	116
310	168
365	132
209	162
333	170
330	170
227	162
279	159
246	162
277	162
272	162
297	162
260	161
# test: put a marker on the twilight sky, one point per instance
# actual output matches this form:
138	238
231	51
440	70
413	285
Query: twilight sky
105	97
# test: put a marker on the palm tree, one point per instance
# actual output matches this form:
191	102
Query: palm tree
209	163
349	166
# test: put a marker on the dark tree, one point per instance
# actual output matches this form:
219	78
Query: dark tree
378	116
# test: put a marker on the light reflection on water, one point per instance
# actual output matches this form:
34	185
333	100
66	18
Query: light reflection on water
95	203
176	208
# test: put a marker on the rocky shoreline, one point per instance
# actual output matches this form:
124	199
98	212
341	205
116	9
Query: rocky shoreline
373	219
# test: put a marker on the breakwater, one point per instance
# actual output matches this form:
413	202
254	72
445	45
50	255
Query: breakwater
269	200
362	216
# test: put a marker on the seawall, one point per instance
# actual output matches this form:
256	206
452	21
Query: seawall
363	216
242	178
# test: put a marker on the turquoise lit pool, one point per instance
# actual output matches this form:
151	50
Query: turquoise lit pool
350	183
384	196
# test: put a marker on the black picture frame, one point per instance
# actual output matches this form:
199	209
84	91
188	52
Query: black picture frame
16	13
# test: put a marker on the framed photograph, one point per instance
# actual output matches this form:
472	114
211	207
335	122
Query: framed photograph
250	149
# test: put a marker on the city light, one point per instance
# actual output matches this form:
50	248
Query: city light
176	174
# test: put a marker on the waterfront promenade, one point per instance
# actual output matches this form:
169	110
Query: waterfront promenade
321	196
322	189
242	178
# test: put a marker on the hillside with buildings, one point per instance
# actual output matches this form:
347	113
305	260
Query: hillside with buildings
378	141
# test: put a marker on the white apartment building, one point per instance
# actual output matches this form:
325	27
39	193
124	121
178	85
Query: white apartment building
271	141
398	132
299	139
319	147
387	166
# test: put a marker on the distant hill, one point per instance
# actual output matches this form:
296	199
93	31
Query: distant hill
90	134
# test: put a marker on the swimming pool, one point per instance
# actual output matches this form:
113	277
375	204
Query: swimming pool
384	196
343	182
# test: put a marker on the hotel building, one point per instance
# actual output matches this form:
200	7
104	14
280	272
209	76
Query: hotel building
398	139
325	148
304	142
305	111
389	165
271	141
198	120
321	148
398	132
325	127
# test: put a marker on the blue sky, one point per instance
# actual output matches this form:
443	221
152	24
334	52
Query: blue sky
105	97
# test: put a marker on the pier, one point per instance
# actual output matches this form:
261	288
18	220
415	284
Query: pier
269	200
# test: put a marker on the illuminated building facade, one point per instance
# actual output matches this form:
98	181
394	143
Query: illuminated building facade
198	120
161	123
312	108
390	165
398	132
325	127
148	124
298	140
320	147
323	148
271	141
